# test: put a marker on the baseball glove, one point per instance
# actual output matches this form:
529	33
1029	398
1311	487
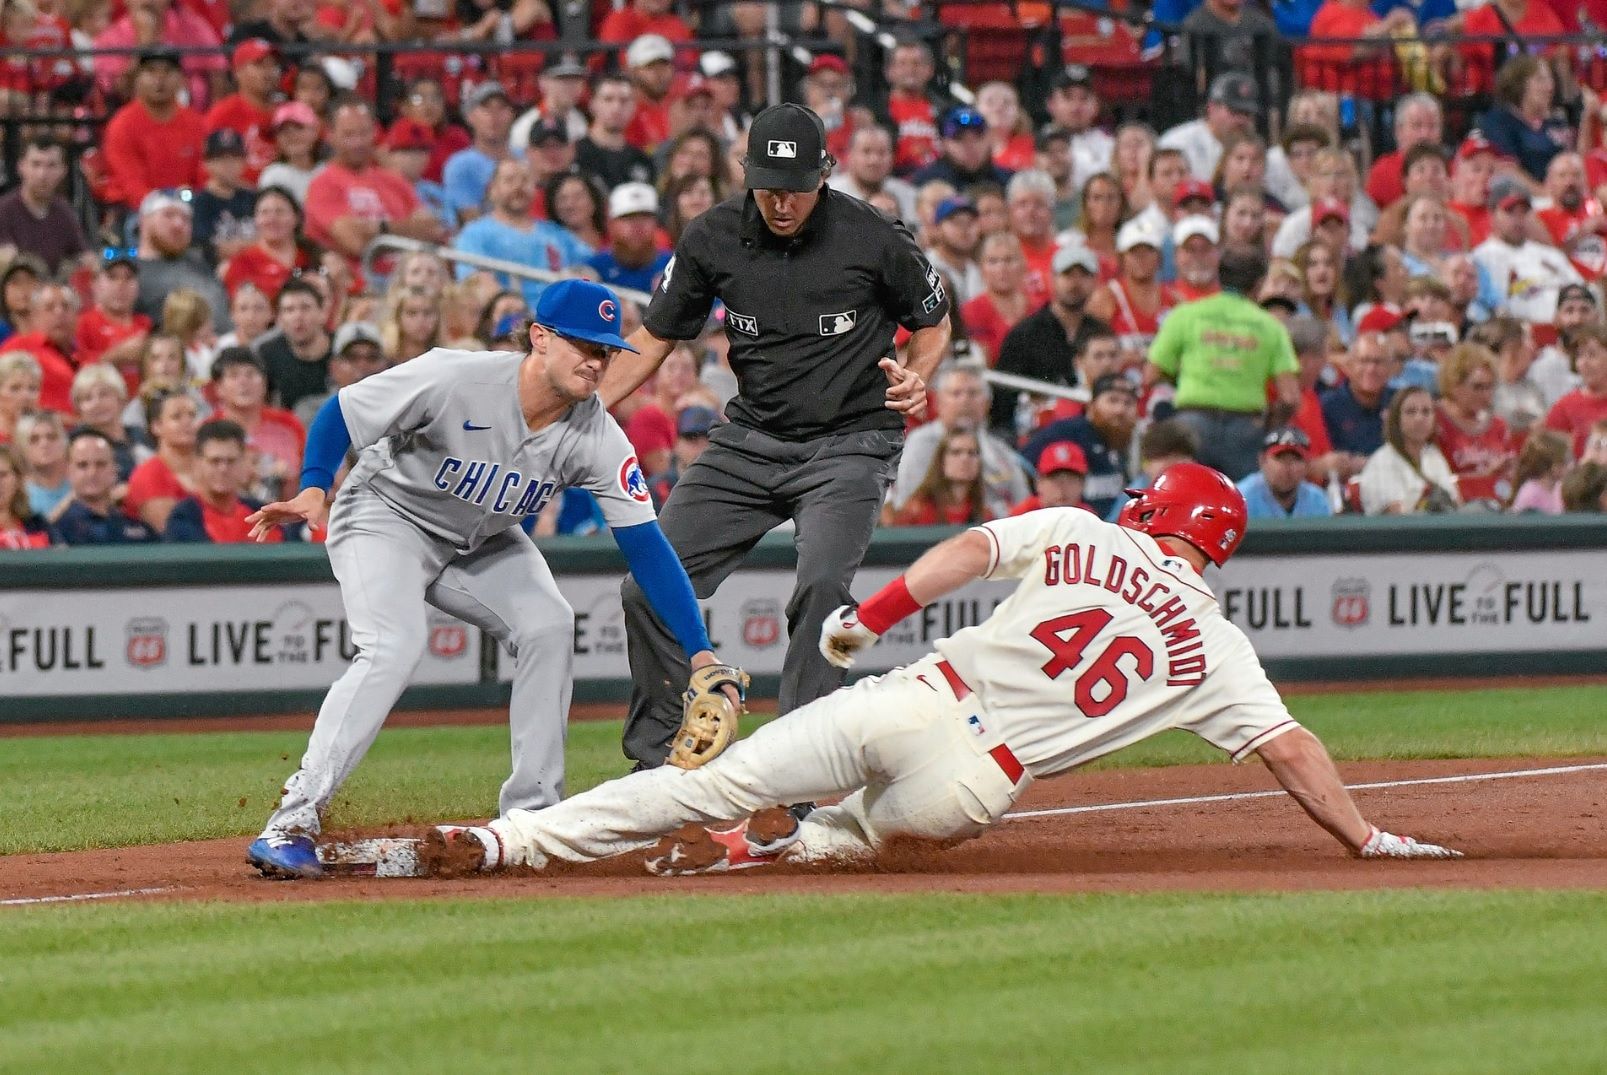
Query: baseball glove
710	720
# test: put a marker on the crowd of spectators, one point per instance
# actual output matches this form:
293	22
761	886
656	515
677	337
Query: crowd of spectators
1413	329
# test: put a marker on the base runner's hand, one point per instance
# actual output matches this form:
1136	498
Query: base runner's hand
906	392
842	636
1386	845
307	506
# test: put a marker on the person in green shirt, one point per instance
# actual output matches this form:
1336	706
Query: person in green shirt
1222	352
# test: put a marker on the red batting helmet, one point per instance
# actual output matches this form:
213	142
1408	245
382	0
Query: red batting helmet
1192	502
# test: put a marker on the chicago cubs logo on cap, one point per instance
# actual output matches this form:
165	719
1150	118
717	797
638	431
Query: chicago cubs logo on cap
632	482
607	310
784	149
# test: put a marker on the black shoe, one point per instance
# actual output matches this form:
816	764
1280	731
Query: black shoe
801	810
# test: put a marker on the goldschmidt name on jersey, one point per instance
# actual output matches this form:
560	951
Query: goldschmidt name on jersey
1072	564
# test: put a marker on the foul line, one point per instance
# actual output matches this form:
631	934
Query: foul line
86	896
1238	796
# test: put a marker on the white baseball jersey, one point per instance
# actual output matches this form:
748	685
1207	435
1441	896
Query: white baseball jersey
443	441
1527	277
1106	641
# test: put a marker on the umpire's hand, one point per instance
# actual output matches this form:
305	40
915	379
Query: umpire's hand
906	392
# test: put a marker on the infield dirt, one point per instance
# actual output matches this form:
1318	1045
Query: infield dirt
1541	831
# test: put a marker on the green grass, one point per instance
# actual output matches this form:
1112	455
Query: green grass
1420	982
108	791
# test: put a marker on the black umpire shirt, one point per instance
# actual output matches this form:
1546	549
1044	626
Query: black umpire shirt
808	317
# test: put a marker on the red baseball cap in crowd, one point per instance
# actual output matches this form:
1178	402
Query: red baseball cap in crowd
409	134
251	51
1325	208
827	62
296	112
1476	143
1287	439
1193	188
1063	455
1381	318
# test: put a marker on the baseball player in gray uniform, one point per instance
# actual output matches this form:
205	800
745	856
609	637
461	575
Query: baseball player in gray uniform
456	448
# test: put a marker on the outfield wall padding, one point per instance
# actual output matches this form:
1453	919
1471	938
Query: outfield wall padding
189	631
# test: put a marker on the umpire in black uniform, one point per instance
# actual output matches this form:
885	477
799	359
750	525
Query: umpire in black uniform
814	284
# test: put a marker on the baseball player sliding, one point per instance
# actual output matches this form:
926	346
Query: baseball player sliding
1110	637
456	448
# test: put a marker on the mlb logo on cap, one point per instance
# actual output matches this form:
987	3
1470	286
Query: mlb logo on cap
786	150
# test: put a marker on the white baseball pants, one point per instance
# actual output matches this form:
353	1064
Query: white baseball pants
903	744
388	568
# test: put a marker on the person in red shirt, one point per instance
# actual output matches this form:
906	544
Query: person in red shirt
110	330
1062	473
1574	218
275	437
279	250
171	418
1030	197
990	316
153	142
912	113
1502	19
1419	120
52	316
647	62
161	25
217	512
1471	173
20	528
952	492
1311	343
1579	410
1366	70
354	199
1135	301
1475	442
640	17
249	110
425	103
828	89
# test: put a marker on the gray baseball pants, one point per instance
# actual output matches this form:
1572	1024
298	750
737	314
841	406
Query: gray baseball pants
744	485
388	569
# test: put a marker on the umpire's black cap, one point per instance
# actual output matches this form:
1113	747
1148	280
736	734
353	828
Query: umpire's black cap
786	149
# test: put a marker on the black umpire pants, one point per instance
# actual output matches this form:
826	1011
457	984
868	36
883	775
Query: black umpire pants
743	486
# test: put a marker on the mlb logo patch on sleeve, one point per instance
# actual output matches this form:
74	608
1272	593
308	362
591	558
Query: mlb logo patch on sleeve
837	324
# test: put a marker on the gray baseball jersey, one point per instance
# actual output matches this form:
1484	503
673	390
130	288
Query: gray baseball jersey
444	442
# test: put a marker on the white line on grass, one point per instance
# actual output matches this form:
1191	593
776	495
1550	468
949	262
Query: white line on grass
85	896
1061	811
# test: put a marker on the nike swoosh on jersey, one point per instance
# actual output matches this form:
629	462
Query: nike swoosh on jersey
470	427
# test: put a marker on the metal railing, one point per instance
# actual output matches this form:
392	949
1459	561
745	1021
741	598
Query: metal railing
383	243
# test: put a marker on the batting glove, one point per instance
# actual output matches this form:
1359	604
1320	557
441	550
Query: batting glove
1386	845
842	636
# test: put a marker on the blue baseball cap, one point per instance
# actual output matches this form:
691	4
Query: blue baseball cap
963	119
949	206
581	310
